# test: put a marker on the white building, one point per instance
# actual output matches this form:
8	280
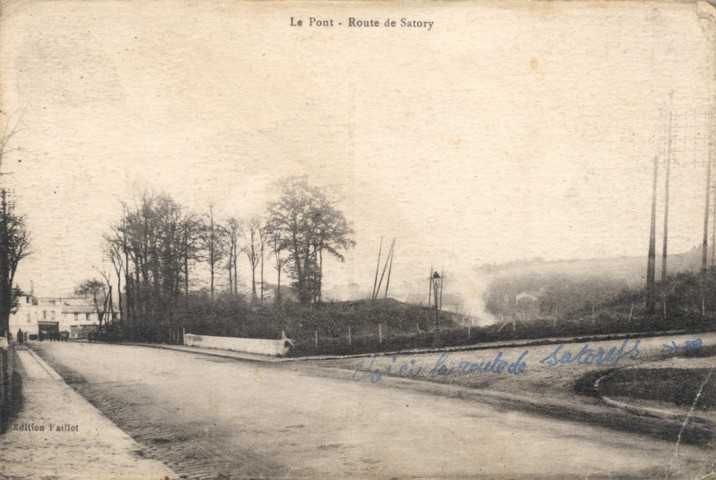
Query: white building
42	317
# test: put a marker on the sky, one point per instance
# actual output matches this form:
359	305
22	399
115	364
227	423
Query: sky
509	130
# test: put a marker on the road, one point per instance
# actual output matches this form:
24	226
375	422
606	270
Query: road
208	417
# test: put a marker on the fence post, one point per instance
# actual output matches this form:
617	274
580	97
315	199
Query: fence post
417	325
315	339
349	335
380	333
183	333
468	331
631	312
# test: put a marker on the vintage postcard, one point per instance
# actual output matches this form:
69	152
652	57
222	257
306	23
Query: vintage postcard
362	239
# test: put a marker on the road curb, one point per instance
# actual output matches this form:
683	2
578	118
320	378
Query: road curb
460	348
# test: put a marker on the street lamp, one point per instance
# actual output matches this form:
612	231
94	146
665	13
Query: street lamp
437	280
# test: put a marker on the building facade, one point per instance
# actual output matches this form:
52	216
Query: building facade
42	318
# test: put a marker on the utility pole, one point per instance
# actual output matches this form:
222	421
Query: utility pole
376	290
713	233
5	297
437	292
651	265
666	211
430	285
377	267
390	269
704	247
704	250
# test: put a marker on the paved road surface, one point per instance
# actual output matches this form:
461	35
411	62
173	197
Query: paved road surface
47	441
219	418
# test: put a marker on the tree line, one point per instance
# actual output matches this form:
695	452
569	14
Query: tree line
160	249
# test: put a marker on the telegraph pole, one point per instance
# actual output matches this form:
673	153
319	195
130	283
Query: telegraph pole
5	296
713	235
704	250
666	211
651	265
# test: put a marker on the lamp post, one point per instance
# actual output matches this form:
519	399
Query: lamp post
437	280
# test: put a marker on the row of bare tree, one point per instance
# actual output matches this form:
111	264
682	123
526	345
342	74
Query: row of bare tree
159	249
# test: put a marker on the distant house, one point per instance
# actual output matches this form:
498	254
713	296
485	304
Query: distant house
79	317
45	317
527	305
38	317
271	291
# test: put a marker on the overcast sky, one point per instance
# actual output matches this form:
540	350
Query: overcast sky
509	130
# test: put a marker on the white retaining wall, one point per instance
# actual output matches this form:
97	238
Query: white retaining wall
248	345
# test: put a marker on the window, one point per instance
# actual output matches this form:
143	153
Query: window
28	318
87	316
44	314
77	317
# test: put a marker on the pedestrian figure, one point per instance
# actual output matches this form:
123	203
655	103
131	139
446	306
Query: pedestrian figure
20	337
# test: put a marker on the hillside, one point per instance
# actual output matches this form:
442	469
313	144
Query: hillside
632	270
538	288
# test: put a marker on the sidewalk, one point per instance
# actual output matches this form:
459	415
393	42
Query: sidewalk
59	435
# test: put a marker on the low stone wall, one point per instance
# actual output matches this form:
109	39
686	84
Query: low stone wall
249	345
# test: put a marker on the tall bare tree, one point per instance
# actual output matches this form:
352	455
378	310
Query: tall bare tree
252	240
214	246
152	235
96	290
14	246
277	247
115	253
14	238
232	229
191	245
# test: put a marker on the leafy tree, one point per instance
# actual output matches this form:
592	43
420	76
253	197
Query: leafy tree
308	224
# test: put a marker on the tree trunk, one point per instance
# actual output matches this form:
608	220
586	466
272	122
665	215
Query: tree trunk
278	288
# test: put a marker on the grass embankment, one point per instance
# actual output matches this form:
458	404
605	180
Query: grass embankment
389	325
676	386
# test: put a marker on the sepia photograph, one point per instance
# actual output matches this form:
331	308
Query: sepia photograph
309	239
